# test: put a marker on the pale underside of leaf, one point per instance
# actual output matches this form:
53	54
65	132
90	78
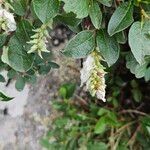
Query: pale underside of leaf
139	40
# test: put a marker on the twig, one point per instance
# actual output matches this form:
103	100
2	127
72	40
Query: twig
133	111
124	127
82	101
132	139
111	139
118	140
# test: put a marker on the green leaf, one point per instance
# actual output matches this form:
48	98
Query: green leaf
72	143
16	56
147	74
143	140
61	122
107	3
67	90
68	19
146	120
2	79
45	66
63	92
20	83
139	40
100	126
81	45
24	31
46	10
19	7
122	146
137	95
131	62
121	18
121	37
44	69
95	15
31	79
53	65
2	39
79	7
11	74
108	47
3	97
97	146
102	111
138	69
45	143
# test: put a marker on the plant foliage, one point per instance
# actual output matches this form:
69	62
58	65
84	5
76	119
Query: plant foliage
114	35
87	125
113	26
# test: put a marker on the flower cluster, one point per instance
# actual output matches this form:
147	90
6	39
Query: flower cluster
7	21
92	74
39	40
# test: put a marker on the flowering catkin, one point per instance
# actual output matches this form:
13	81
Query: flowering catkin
92	74
7	21
39	40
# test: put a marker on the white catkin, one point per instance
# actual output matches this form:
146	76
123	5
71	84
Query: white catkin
92	74
39	41
8	19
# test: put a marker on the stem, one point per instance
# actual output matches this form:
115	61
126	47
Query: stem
145	14
124	127
112	139
133	111
118	140
132	139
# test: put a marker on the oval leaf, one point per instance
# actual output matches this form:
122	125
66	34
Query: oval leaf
3	97
24	31
19	7
139	40
108	47
16	56
46	10
121	18
20	83
100	126
79	7
95	15
138	69
81	45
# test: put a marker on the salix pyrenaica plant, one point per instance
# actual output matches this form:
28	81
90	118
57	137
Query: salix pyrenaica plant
104	30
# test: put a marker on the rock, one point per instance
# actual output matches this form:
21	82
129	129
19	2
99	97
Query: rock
28	114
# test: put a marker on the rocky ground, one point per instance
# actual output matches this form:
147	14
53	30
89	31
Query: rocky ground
24	120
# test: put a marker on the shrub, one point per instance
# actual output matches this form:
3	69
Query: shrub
105	31
113	36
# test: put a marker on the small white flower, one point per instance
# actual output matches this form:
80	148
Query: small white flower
7	21
92	74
